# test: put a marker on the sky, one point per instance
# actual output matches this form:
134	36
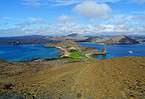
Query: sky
63	17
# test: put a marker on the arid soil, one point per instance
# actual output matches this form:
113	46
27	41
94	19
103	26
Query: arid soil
117	78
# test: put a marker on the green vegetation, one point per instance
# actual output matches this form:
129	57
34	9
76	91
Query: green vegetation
77	54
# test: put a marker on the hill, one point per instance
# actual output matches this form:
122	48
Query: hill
38	39
119	39
61	79
32	39
76	37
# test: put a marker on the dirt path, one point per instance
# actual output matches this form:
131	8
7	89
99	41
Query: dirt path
118	78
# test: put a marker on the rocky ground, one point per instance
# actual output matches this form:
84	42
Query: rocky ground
117	78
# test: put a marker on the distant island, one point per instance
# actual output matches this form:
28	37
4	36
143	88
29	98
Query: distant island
38	39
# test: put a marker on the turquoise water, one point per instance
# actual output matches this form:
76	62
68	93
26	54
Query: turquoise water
118	50
27	52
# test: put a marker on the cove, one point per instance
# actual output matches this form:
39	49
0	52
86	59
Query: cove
117	50
14	53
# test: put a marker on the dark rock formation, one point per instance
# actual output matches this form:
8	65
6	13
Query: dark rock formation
6	85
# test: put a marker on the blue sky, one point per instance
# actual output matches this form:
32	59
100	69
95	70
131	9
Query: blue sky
55	17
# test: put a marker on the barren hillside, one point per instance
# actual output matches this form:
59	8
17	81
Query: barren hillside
118	78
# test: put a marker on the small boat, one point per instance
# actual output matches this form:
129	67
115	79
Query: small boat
130	52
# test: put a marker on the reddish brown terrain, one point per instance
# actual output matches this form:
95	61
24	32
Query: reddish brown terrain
118	78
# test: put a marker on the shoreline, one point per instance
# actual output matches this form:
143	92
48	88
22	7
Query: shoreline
65	52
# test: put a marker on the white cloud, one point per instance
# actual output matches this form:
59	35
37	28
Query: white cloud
31	22
111	28
64	18
36	19
73	2
45	3
93	9
121	24
71	27
140	1
64	2
111	1
35	3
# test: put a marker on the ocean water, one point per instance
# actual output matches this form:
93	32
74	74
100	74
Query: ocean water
27	52
30	52
118	50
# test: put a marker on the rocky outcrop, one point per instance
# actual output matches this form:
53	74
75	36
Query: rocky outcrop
6	85
104	52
